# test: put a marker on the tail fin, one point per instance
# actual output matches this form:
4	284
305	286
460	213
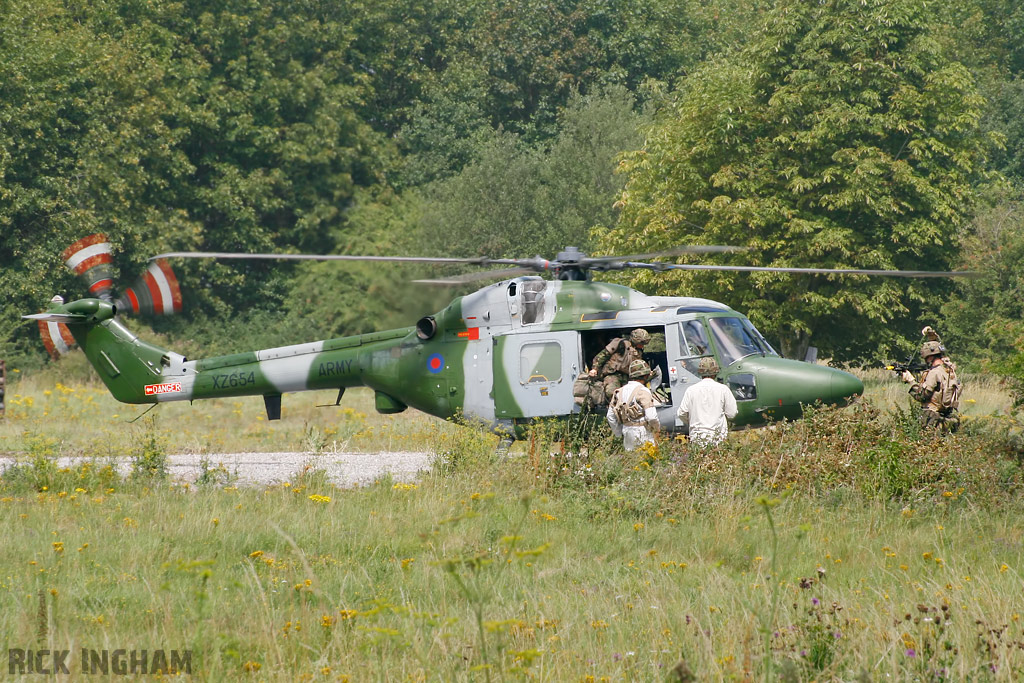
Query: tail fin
125	363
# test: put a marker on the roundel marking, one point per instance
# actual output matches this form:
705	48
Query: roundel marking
435	363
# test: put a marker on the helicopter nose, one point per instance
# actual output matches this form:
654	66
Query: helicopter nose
845	386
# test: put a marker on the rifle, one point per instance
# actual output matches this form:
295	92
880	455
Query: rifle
912	363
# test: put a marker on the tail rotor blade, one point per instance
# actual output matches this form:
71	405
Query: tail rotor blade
90	258
56	338
155	293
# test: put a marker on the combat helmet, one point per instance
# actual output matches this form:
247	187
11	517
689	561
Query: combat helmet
640	370
639	336
707	367
931	348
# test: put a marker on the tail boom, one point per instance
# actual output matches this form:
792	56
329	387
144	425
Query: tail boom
138	372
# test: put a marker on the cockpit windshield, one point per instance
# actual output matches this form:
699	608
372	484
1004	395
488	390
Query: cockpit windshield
736	338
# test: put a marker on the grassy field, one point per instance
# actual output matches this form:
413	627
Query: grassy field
845	546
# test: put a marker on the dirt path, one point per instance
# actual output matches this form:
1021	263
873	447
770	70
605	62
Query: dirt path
260	469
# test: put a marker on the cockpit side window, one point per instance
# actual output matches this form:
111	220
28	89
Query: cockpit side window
694	340
533	301
737	338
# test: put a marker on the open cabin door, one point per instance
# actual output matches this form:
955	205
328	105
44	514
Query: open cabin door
534	373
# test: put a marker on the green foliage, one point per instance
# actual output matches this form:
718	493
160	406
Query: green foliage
37	471
231	127
1004	118
529	57
218	475
857	451
839	136
515	68
494	127
468	449
776	534
149	459
985	316
520	200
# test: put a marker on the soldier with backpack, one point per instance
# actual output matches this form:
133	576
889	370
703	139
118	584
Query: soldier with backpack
938	390
631	413
611	364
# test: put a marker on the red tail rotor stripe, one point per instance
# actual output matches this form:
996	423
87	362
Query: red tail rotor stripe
101	284
57	338
132	299
96	238
154	291
91	262
172	283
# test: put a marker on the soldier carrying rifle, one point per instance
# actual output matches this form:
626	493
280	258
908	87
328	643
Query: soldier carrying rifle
937	389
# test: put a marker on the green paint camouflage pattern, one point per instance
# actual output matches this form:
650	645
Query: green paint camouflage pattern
503	355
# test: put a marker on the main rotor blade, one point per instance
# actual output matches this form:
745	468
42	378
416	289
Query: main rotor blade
534	263
480	261
808	271
466	278
677	251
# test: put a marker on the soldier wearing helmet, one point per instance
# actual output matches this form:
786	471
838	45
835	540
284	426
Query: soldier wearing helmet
631	411
938	389
611	364
707	407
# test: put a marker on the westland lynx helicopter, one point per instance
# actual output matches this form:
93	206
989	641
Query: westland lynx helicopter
504	355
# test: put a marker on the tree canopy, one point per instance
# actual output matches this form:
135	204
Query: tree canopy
839	136
839	132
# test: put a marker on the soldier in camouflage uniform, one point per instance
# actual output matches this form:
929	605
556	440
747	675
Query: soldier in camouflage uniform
938	390
611	364
632	413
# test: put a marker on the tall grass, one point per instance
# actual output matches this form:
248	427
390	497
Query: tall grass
847	545
81	419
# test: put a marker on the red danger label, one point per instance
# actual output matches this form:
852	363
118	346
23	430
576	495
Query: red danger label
169	388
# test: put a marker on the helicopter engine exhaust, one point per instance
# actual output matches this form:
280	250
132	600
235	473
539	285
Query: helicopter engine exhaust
426	327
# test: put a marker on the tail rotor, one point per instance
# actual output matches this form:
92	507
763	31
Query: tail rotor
91	258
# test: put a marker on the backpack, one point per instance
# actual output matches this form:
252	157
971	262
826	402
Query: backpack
951	390
588	391
631	411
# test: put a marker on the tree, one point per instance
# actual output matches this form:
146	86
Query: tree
514	67
223	126
83	147
984	318
519	200
840	136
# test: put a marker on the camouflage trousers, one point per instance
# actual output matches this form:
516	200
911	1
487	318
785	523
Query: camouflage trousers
613	383
933	420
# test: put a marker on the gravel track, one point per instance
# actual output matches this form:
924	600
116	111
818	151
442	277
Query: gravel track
261	469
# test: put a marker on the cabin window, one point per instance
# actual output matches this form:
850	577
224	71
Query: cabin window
540	362
743	386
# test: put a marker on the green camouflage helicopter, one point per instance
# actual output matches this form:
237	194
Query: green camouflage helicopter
504	355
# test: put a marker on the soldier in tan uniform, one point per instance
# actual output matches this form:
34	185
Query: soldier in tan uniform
938	389
611	364
631	413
